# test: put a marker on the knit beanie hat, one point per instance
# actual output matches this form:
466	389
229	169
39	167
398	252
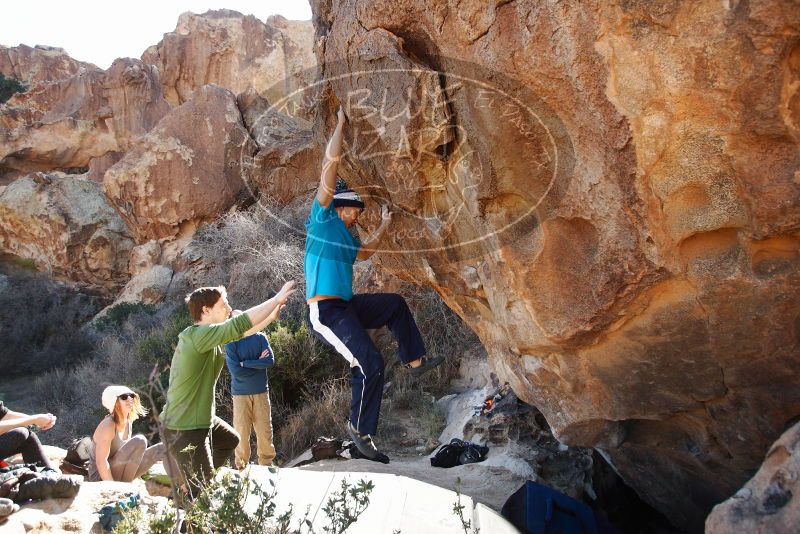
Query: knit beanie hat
344	196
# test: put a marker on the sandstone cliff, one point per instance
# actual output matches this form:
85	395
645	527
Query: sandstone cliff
176	149
81	120
40	63
234	51
186	170
609	195
65	225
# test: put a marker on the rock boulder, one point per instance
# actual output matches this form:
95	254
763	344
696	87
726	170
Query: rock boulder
287	163
80	121
769	502
40	63
65	225
184	172
234	51
608	194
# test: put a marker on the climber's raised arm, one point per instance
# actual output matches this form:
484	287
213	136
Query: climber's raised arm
333	153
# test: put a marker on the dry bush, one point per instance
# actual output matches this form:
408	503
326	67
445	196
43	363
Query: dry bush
123	355
408	397
322	415
41	321
444	333
253	253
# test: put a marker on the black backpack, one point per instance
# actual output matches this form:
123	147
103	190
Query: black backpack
326	448
459	452
76	461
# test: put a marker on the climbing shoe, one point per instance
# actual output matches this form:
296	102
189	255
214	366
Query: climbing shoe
355	454
363	442
426	365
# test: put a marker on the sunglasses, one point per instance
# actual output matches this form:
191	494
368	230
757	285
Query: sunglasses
126	396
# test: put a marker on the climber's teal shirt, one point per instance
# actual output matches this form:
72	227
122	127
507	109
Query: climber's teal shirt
330	253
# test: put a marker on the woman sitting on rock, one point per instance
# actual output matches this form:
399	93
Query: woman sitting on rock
117	455
16	438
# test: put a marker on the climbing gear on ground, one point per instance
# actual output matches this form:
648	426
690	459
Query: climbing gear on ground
112	513
326	448
427	364
355	454
76	461
49	486
459	452
26	482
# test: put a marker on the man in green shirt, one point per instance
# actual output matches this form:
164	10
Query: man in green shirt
196	439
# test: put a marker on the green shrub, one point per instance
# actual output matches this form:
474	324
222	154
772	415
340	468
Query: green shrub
344	506
8	87
158	346
303	363
431	417
120	313
221	508
155	350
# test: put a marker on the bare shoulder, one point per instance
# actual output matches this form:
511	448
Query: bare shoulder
105	430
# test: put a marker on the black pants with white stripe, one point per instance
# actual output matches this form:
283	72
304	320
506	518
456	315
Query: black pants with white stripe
344	324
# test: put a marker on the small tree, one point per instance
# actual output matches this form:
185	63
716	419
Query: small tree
9	86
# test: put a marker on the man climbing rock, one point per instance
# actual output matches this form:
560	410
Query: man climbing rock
342	319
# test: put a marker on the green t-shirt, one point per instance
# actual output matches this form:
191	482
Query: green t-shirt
196	365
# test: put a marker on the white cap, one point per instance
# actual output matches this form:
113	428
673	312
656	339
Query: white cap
110	395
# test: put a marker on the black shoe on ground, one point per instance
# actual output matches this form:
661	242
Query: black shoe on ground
426	365
355	454
363	443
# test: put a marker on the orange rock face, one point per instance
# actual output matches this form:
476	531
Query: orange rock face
32	65
80	120
185	171
234	51
609	195
65	225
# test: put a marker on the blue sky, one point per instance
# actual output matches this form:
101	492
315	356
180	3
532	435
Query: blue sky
101	31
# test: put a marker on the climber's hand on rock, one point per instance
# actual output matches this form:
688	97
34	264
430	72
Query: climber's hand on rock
386	214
